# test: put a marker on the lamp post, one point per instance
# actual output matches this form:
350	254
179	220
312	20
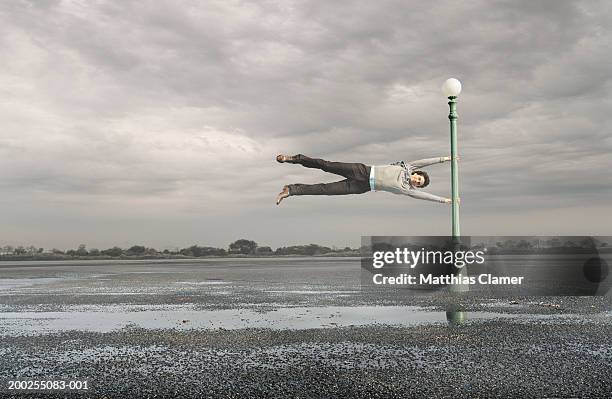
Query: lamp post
451	89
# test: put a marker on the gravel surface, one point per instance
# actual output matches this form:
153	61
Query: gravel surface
558	347
488	359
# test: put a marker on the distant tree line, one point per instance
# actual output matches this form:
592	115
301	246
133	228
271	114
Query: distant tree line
241	247
245	248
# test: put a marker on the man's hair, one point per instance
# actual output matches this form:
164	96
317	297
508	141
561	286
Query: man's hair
425	177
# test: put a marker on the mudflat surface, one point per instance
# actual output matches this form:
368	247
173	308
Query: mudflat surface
287	327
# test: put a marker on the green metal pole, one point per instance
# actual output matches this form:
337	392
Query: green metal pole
452	116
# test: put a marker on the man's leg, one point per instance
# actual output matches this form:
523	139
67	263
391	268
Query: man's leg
352	171
343	187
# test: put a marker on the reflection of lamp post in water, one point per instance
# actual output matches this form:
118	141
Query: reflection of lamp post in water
454	316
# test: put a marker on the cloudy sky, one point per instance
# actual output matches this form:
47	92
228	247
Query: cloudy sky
158	122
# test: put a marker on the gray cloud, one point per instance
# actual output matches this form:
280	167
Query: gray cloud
161	120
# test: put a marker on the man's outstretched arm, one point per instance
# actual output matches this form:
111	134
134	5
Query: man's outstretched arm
429	161
427	196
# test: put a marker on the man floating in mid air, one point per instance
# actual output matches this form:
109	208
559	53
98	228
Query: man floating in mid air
398	178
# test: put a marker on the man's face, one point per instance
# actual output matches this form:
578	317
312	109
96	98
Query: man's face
417	180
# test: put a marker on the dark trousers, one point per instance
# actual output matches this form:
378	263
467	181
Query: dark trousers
357	177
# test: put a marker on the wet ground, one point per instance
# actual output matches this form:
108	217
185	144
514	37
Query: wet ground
287	327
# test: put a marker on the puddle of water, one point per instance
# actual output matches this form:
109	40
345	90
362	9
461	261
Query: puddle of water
156	272
310	292
207	282
11	283
505	305
114	317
